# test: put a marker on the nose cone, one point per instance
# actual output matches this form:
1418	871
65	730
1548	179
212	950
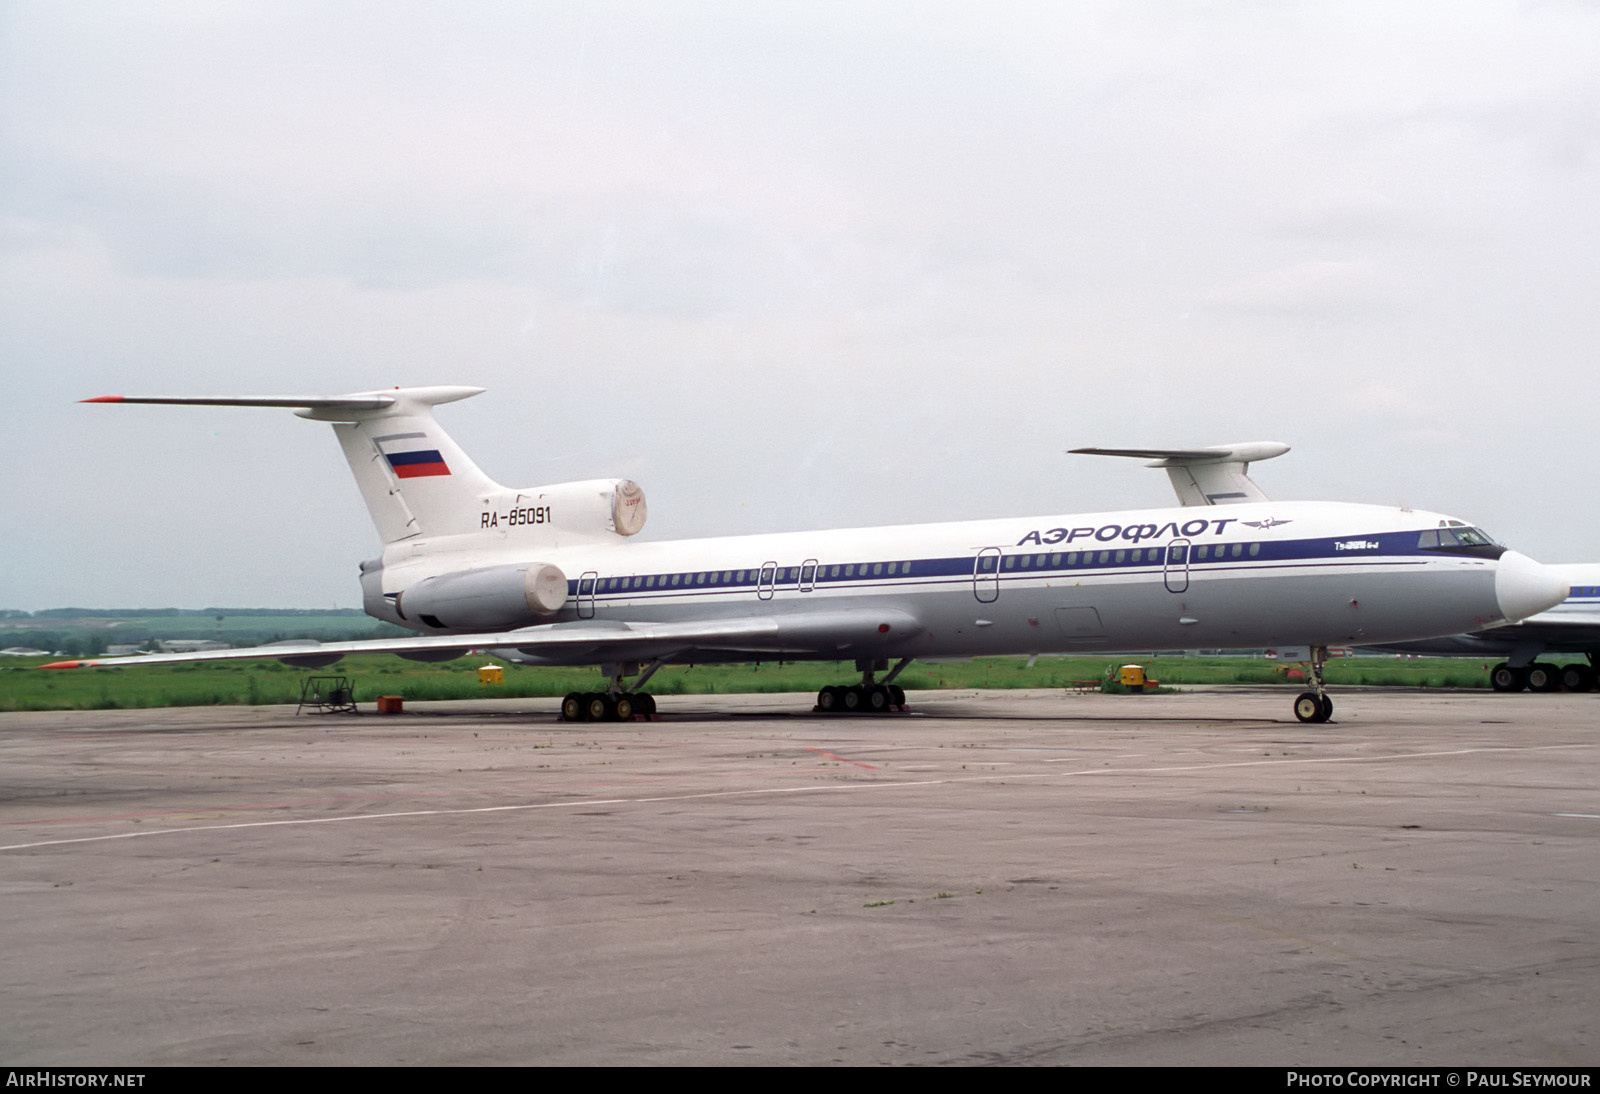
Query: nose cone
1524	588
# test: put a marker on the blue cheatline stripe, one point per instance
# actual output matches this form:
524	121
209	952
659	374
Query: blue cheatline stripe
1388	549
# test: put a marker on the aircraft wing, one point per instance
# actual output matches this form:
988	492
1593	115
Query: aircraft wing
844	632
1218	475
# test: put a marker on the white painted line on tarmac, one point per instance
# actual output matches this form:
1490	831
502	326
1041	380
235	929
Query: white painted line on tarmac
875	784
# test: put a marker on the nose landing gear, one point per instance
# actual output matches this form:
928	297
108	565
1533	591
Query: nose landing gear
1315	706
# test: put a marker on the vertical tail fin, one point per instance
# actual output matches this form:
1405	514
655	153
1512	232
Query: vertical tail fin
415	479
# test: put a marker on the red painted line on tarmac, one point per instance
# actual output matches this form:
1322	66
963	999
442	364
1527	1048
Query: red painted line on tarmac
829	755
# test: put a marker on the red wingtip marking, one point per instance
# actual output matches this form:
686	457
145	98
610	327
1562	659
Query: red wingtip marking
65	665
104	399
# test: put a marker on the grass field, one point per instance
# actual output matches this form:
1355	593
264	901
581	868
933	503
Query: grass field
23	686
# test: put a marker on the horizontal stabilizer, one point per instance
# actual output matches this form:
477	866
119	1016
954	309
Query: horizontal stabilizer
342	402
1216	475
331	408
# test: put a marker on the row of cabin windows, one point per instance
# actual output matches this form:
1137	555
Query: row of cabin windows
782	575
1137	554
849	570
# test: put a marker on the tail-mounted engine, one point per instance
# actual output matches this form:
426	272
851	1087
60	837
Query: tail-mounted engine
494	598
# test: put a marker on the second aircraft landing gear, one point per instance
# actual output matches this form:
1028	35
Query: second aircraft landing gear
1315	706
1544	676
866	697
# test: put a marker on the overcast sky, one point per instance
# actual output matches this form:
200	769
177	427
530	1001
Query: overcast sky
787	265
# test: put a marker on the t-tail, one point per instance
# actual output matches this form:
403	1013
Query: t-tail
421	487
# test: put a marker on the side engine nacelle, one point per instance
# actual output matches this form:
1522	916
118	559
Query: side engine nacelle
494	598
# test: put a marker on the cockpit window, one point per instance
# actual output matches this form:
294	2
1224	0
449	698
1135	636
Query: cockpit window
1459	539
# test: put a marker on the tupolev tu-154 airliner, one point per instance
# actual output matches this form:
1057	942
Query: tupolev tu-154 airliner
554	575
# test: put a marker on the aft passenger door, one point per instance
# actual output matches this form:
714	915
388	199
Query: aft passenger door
1177	567
586	585
986	575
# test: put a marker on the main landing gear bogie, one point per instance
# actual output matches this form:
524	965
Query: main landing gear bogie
604	706
871	696
861	699
622	701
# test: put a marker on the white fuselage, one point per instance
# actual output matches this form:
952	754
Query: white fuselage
1243	575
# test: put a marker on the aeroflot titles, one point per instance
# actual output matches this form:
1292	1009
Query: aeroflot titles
1133	533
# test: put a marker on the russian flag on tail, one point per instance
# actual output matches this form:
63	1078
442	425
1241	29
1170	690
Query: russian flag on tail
416	465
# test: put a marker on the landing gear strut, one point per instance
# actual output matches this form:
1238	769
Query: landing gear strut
1315	706
867	697
615	704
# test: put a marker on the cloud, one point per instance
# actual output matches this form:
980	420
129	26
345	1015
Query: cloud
1326	290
